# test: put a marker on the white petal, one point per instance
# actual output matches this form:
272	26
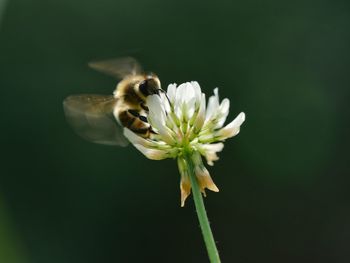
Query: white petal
166	134
213	105
135	139
165	102
209	151
207	137
156	113
185	101
181	93
198	93
148	143
232	128
171	92
216	93
213	147
198	124
188	108
154	104
222	112
157	118
153	154
189	92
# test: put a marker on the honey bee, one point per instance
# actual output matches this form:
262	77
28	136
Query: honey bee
101	118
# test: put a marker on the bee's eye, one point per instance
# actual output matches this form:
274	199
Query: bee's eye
143	86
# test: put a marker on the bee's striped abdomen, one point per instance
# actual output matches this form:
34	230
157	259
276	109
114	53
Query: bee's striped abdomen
135	122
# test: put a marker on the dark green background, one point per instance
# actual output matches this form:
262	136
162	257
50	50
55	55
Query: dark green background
284	179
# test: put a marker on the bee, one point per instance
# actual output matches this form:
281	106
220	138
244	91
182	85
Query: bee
101	118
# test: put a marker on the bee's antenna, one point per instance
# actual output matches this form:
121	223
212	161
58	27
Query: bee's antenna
165	94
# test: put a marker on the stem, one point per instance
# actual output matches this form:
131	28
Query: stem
202	214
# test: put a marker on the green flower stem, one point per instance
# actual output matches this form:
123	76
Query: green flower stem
202	214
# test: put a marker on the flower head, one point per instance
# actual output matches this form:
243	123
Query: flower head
183	123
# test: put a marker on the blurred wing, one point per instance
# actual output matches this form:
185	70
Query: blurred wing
118	68
91	116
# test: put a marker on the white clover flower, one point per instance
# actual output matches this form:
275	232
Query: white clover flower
183	123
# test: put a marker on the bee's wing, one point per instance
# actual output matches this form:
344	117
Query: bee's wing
118	67
91	116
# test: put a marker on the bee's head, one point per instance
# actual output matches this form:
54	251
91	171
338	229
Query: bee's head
150	85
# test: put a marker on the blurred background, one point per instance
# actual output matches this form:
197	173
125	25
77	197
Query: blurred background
284	180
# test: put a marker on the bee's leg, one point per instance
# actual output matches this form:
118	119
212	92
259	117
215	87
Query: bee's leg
143	118
143	106
136	114
152	131
126	119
